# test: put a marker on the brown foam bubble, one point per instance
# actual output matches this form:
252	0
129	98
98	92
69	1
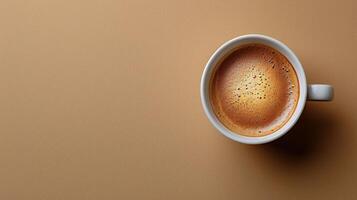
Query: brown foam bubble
254	91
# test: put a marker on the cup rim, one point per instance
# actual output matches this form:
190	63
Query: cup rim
226	48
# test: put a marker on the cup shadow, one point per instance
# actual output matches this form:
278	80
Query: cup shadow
311	137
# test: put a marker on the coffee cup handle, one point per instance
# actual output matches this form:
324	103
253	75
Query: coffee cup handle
319	92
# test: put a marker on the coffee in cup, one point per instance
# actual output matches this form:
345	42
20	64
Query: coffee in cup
254	90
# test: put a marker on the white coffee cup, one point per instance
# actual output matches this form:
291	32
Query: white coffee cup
315	92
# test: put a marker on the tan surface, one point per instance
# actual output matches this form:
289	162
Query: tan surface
100	100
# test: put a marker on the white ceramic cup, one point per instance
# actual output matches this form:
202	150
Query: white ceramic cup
315	92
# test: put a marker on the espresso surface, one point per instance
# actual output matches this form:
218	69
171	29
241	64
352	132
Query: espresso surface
254	91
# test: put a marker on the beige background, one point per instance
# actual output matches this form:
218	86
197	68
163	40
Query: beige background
100	100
